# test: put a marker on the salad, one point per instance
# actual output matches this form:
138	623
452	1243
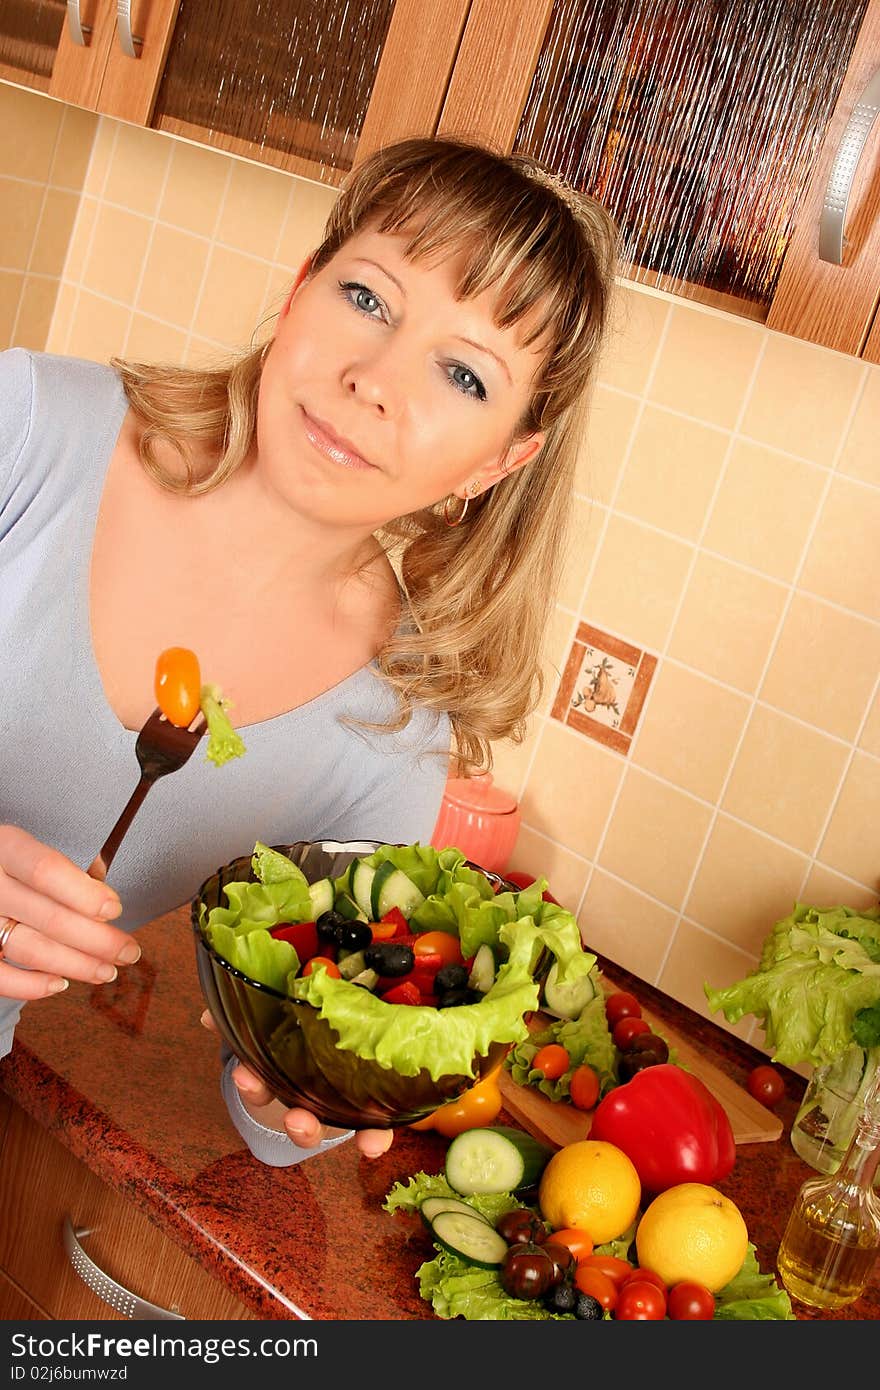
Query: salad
348	945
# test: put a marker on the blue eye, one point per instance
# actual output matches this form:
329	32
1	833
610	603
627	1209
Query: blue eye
361	298
466	381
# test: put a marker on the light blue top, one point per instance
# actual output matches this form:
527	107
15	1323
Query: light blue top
67	765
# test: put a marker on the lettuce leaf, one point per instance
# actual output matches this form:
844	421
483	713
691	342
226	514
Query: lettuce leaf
587	1040
819	969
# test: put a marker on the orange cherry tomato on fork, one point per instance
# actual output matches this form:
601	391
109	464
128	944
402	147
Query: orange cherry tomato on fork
178	685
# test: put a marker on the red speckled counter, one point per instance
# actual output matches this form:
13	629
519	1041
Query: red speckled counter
128	1080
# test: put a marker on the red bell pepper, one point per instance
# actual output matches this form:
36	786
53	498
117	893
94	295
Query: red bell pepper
303	937
671	1127
403	993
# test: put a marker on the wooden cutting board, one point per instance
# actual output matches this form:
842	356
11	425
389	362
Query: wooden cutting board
559	1123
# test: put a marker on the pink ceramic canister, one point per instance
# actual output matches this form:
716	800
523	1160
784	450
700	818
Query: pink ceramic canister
480	819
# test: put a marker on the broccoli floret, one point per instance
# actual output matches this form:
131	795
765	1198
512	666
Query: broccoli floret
224	743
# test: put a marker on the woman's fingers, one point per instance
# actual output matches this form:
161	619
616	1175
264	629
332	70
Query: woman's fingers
38	953
374	1142
52	875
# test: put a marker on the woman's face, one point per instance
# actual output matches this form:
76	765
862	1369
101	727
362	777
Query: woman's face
382	393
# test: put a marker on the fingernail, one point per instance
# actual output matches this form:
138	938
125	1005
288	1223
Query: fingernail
301	1136
205	1019
106	973
111	908
56	986
130	952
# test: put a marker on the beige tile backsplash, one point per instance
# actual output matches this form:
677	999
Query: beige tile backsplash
726	528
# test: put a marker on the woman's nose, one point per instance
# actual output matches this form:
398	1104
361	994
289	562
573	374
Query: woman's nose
376	381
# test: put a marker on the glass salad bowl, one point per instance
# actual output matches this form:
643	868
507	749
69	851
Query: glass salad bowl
326	1043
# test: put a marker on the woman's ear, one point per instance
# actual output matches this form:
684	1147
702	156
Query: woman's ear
517	456
300	277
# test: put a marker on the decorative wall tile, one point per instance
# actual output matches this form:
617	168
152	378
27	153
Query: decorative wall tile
603	687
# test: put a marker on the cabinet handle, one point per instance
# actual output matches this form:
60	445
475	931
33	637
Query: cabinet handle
78	30
107	1289
840	180
127	40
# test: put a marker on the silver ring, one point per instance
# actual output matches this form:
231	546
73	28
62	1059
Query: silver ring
7	927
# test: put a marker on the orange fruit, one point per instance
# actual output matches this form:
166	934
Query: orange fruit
593	1185
693	1232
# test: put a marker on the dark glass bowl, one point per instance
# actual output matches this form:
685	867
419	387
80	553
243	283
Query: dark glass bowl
286	1042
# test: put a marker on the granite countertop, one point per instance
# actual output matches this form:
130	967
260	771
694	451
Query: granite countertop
126	1078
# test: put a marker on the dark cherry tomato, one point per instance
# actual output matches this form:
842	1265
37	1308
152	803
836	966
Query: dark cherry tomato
553	1060
594	1282
527	1272
583	1088
640	1301
617	1270
691	1301
621	1005
521	1226
765	1084
563	1260
627	1028
579	1242
178	685
644	1050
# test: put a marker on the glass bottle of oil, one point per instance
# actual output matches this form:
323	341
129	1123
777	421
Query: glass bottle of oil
833	1233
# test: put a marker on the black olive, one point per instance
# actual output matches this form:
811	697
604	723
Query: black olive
354	936
521	1226
588	1308
329	925
526	1272
453	998
562	1298
388	958
450	977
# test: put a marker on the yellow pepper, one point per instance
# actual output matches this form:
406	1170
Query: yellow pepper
475	1107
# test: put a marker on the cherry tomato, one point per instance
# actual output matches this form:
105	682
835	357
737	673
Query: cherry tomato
527	1272
647	1276
640	1301
178	685
691	1301
766	1085
521	1226
583	1088
618	1271
552	1060
438	943
621	1005
628	1028
579	1242
564	1261
597	1284
329	965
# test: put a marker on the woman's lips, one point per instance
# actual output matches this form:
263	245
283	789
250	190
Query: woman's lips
322	438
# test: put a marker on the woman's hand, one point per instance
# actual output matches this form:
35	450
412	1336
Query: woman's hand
61	921
300	1125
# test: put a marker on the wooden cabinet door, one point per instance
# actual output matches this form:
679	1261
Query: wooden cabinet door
142	32
43	1183
55	47
827	303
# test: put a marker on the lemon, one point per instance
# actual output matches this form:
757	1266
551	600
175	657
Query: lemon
693	1231
592	1185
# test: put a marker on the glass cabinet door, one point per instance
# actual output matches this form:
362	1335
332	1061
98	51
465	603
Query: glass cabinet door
696	122
291	82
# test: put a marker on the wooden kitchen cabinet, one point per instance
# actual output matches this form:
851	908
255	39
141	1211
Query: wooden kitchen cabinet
43	1183
709	130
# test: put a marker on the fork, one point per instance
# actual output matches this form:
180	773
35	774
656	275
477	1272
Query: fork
161	747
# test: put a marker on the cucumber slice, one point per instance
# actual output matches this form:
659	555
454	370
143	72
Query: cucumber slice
391	887
482	976
321	893
368	978
347	907
432	1206
567	999
350	964
470	1238
495	1158
362	876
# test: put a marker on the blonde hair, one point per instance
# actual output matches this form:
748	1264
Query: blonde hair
479	595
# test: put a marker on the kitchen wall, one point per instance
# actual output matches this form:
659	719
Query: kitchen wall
708	746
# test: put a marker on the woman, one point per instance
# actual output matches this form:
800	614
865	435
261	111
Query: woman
357	528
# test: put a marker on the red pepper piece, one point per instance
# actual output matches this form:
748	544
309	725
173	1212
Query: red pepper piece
395	915
303	937
428	1000
670	1125
422	979
404	992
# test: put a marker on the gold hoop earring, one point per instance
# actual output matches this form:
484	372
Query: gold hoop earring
470	491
